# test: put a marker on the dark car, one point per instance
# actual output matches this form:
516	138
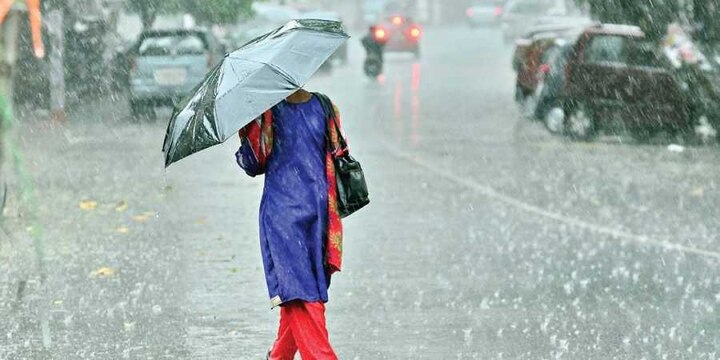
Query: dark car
167	64
402	34
617	79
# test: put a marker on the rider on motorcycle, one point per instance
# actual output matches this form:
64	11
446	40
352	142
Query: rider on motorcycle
374	43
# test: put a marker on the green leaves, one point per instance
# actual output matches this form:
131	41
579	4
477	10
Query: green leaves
204	11
217	11
654	16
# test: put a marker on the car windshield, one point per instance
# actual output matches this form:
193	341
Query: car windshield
606	49
623	50
181	44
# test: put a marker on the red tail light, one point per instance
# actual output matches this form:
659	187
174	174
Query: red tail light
380	34
397	20
499	11
470	12
415	32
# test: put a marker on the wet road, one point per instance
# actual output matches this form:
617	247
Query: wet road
487	237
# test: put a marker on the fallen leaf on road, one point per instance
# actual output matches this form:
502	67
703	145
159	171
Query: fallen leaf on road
698	192
144	217
201	221
128	326
103	272
121	206
141	218
122	230
88	205
57	302
234	270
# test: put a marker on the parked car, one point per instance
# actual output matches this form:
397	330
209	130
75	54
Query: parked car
485	13
403	34
616	78
166	65
342	53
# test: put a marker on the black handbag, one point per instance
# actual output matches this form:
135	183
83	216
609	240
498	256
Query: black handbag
352	190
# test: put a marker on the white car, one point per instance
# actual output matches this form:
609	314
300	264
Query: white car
485	13
520	15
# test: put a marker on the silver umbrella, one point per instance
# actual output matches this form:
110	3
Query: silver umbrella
248	82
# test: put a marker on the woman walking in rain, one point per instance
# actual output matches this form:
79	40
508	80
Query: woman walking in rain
300	228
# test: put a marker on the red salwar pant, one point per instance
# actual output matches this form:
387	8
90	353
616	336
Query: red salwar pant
302	328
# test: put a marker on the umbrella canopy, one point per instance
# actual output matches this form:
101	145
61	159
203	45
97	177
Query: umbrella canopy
248	82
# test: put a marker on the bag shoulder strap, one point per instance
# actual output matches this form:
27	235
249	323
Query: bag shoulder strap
329	110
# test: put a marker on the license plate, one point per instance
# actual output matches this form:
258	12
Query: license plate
170	76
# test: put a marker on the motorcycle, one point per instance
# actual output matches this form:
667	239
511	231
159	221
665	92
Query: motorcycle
374	44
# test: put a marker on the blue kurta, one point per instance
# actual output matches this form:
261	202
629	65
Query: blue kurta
293	211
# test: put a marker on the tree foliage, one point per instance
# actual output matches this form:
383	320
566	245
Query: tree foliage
216	11
205	11
653	16
149	9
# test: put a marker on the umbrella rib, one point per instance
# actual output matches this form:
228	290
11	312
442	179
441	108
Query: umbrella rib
273	67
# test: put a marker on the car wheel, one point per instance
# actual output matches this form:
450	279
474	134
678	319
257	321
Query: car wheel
579	124
555	120
373	68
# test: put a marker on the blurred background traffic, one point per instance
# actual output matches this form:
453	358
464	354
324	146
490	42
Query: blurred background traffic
132	47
